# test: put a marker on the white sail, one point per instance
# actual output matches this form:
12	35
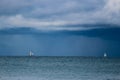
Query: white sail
31	54
105	55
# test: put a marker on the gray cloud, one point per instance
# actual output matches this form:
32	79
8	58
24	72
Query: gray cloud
54	14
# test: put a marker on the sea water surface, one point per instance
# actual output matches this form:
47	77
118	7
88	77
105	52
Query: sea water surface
59	68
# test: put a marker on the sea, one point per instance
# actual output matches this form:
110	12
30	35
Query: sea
59	68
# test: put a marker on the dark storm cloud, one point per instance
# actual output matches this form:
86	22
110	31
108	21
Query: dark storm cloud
104	33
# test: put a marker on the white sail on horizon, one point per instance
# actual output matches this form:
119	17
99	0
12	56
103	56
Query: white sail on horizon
105	54
31	53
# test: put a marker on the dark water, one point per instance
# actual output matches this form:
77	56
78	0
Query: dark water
59	68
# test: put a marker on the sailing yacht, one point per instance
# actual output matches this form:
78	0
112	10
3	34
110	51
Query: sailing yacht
31	53
105	54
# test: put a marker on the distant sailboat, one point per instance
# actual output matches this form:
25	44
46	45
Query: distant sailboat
105	54
31	53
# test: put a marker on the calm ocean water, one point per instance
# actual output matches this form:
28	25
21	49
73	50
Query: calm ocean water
59	68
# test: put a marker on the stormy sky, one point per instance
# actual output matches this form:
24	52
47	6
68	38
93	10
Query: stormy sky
60	27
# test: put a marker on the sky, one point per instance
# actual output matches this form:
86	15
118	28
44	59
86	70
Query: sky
60	27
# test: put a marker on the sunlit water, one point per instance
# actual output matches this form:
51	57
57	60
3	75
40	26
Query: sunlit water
59	68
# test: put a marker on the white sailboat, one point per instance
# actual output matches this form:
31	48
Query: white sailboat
105	54
31	53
